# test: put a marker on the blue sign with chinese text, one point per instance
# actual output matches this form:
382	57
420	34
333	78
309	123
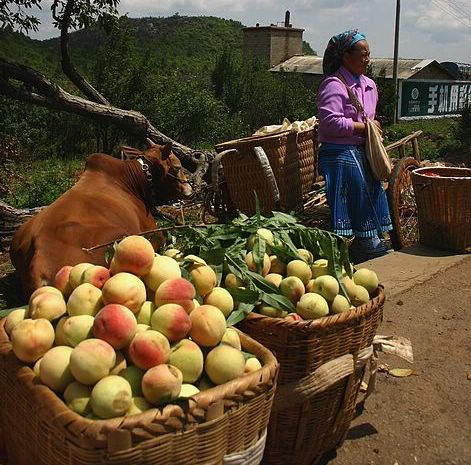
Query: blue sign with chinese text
421	98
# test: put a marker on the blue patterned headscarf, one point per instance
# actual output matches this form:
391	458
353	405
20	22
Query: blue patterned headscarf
336	47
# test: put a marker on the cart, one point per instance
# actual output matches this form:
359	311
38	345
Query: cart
267	166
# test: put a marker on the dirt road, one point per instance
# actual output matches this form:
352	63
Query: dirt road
424	418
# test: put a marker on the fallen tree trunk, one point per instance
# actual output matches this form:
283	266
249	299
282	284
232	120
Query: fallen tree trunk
10	220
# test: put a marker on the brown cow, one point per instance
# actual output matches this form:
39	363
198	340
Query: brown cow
112	198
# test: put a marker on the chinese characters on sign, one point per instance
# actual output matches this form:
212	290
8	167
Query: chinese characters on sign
428	98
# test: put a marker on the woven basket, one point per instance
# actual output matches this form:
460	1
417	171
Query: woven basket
444	207
292	157
322	363
221	425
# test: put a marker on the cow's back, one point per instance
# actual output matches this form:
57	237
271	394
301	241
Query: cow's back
98	209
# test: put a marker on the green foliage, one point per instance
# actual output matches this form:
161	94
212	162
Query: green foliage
440	139
37	183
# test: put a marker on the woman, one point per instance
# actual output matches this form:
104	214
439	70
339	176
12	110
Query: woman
357	201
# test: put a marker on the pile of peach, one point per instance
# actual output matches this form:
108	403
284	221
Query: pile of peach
122	340
307	283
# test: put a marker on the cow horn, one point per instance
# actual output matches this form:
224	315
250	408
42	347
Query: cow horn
150	142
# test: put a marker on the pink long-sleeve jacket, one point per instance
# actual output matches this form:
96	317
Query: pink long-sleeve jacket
336	111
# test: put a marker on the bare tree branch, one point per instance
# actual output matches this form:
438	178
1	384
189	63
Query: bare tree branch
67	66
38	89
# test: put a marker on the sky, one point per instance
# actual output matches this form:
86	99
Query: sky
436	29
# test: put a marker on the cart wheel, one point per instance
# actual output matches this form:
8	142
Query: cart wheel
402	204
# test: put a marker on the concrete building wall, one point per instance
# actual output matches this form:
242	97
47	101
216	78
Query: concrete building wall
272	44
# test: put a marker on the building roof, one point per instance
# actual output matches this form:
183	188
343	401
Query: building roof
407	67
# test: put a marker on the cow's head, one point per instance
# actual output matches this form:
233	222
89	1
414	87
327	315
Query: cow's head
169	180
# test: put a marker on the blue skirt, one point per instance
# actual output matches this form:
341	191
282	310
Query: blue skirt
347	192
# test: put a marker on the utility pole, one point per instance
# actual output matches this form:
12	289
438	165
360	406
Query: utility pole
396	57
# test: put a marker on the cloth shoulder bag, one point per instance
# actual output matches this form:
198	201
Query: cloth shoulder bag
376	153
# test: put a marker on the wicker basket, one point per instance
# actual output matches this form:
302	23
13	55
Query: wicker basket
221	425
444	207
292	157
322	363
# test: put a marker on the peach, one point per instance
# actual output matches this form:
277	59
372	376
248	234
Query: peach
31	339
111	397
96	275
306	256
161	384
172	321
85	299
44	290
145	312
194	261
292	288
173	253
222	299
133	375
349	285
37	367
294	317
320	267
263	233
54	370
77	398
204	279
14	317
124	289
366	278
249	259
61	280
59	329
116	325
310	285
208	325
232	281
91	361
188	390
142	327
360	295
327	286
224	363
231	337
312	305
120	364
339	304
300	269
273	312
274	278
176	291
277	266
138	405
75	275
188	358
77	328
252	364
148	349
162	268
47	305
134	254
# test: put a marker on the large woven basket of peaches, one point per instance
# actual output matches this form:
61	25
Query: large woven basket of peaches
127	364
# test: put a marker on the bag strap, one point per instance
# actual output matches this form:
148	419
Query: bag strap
353	97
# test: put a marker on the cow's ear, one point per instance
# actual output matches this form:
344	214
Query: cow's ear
166	150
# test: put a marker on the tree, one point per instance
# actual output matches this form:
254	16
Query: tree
28	85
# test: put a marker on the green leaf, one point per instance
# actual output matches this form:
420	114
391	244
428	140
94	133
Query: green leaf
238	315
262	283
258	252
214	256
6	312
249	296
278	301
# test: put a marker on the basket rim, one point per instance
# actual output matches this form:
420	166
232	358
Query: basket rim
325	322
241	389
420	172
249	139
